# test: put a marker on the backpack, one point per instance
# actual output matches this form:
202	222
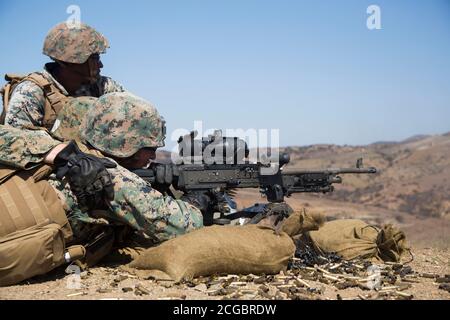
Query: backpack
34	228
54	98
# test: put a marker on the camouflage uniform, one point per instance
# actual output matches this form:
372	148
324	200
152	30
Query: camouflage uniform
26	106
67	44
136	203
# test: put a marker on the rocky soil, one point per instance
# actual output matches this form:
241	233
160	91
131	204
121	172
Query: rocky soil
427	277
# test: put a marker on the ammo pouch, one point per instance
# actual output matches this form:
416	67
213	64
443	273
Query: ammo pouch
33	227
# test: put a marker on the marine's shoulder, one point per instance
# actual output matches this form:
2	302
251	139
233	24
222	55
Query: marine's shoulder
27	88
108	85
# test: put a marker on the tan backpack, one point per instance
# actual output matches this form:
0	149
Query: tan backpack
54	98
33	227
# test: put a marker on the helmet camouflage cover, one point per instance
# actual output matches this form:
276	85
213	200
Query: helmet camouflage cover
74	43
121	123
70	118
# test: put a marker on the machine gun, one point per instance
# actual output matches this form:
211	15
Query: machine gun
220	164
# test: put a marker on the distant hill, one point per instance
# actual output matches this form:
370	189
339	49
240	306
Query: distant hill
414	174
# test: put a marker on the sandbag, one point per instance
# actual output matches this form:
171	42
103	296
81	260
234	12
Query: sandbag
219	250
302	221
352	238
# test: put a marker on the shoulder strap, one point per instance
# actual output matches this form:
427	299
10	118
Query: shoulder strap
6	173
55	99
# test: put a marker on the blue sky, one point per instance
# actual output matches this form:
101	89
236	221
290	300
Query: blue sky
309	68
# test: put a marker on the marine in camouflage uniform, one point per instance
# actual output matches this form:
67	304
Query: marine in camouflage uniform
118	125
66	45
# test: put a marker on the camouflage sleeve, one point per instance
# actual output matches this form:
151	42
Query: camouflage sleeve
146	210
26	106
108	85
21	148
137	205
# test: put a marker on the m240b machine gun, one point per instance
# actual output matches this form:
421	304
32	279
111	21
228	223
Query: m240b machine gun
219	164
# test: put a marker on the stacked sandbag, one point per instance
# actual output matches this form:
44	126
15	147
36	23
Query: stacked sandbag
352	238
220	250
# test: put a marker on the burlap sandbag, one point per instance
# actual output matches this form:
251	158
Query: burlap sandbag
219	250
302	221
352	238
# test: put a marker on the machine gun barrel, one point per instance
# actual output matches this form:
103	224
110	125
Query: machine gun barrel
334	171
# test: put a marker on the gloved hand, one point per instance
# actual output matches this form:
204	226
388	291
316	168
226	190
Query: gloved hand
273	214
87	176
201	200
208	202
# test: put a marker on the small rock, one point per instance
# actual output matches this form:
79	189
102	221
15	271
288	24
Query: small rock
201	287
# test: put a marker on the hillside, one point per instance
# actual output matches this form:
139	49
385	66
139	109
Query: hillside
414	175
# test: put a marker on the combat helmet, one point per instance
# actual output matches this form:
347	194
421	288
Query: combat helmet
71	116
120	124
74	43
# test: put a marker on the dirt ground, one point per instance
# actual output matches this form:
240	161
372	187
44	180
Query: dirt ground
428	276
109	282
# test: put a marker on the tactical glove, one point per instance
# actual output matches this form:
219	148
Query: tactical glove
87	176
273	214
200	200
208	202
